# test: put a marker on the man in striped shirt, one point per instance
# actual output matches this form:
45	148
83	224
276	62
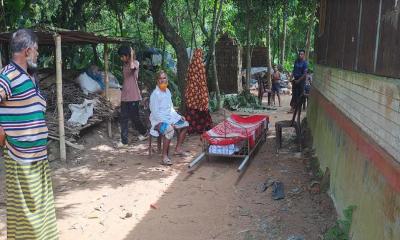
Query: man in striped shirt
30	202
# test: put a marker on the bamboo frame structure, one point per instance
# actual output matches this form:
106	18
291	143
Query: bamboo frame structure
60	109
107	83
56	37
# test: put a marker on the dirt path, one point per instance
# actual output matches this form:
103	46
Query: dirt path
106	193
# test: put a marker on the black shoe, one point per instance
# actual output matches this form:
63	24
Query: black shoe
278	191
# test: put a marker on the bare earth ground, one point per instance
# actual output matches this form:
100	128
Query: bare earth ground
104	193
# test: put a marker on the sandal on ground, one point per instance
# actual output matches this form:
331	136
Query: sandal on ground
181	154
166	161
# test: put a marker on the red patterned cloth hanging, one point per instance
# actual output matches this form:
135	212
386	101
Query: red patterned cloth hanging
196	95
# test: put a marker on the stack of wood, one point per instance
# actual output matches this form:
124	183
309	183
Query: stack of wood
72	94
229	65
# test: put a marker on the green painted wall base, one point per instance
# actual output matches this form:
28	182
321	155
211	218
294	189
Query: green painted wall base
354	179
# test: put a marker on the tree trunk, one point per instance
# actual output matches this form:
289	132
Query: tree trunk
248	48
203	23
164	42
3	26
95	55
268	45
207	42
277	42
164	45
308	40
138	28
193	37
309	30
154	34
283	43
217	17
120	24
177	42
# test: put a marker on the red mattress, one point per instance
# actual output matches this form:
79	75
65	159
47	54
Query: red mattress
237	128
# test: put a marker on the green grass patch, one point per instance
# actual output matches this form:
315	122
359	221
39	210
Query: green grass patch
341	230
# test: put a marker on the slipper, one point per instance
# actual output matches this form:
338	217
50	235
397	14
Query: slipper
181	154
166	162
278	191
265	185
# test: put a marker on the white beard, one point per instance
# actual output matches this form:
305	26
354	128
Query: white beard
32	65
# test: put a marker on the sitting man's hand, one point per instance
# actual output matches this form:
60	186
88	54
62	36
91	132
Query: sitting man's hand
182	119
157	127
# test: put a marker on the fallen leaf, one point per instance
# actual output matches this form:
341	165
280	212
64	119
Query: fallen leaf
92	215
154	206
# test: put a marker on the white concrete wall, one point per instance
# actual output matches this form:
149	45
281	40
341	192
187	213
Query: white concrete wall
372	102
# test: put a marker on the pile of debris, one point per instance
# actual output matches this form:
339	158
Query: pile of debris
72	94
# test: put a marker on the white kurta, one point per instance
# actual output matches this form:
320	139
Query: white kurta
162	109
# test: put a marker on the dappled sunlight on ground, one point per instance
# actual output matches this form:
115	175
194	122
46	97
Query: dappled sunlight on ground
124	194
102	148
110	210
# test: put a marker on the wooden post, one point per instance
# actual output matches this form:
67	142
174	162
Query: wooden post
1	61
6	53
60	109
107	80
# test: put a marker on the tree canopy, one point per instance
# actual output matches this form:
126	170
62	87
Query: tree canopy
176	25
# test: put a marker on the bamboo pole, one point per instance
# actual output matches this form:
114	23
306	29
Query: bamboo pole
107	80
60	109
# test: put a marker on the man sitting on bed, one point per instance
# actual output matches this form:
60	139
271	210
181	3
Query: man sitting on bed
164	119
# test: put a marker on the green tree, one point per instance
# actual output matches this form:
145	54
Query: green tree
190	23
173	37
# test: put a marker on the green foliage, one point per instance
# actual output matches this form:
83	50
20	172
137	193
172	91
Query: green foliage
341	230
147	80
213	103
319	173
191	18
243	100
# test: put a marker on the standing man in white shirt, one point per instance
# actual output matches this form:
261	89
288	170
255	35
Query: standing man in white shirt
164	119
130	95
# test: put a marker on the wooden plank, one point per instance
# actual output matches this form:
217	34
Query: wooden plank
370	11
336	34
388	60
350	40
228	67
322	38
258	57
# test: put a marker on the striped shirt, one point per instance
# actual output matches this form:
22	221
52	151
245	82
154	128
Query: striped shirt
22	115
